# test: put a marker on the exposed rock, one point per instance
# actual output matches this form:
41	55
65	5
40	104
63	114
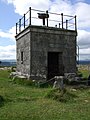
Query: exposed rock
70	76
58	82
14	75
74	90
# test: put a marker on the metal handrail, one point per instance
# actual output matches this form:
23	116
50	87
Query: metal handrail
21	24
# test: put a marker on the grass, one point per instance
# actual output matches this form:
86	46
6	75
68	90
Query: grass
85	73
24	102
84	70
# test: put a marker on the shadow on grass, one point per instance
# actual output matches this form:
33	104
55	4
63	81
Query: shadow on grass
8	99
1	101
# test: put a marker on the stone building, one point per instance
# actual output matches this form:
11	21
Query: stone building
44	51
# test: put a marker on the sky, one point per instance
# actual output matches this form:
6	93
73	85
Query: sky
12	10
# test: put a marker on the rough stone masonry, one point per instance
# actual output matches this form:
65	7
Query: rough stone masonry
44	52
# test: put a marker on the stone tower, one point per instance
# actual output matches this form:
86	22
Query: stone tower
45	51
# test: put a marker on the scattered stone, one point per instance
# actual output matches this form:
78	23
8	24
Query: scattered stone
58	82
15	75
70	76
12	74
74	90
86	101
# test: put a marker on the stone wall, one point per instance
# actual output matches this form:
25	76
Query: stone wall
37	41
23	45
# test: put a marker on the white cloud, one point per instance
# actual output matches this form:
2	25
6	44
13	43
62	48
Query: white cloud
84	44
8	34
22	6
5	34
8	52
79	8
59	6
85	51
84	38
82	11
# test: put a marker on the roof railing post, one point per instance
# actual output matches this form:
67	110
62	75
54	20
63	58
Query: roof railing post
47	17
62	19
29	15
66	24
24	20
75	23
16	28
19	25
59	25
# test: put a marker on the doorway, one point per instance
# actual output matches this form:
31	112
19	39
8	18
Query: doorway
55	64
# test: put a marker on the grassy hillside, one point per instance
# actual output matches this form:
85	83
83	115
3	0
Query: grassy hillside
22	102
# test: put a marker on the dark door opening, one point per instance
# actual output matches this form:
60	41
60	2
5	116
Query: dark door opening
55	64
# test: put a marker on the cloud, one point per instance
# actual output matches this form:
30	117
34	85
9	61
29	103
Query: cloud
84	38
22	6
8	34
5	34
81	10
77	7
61	6
8	52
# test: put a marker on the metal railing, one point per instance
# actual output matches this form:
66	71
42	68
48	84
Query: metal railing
62	21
